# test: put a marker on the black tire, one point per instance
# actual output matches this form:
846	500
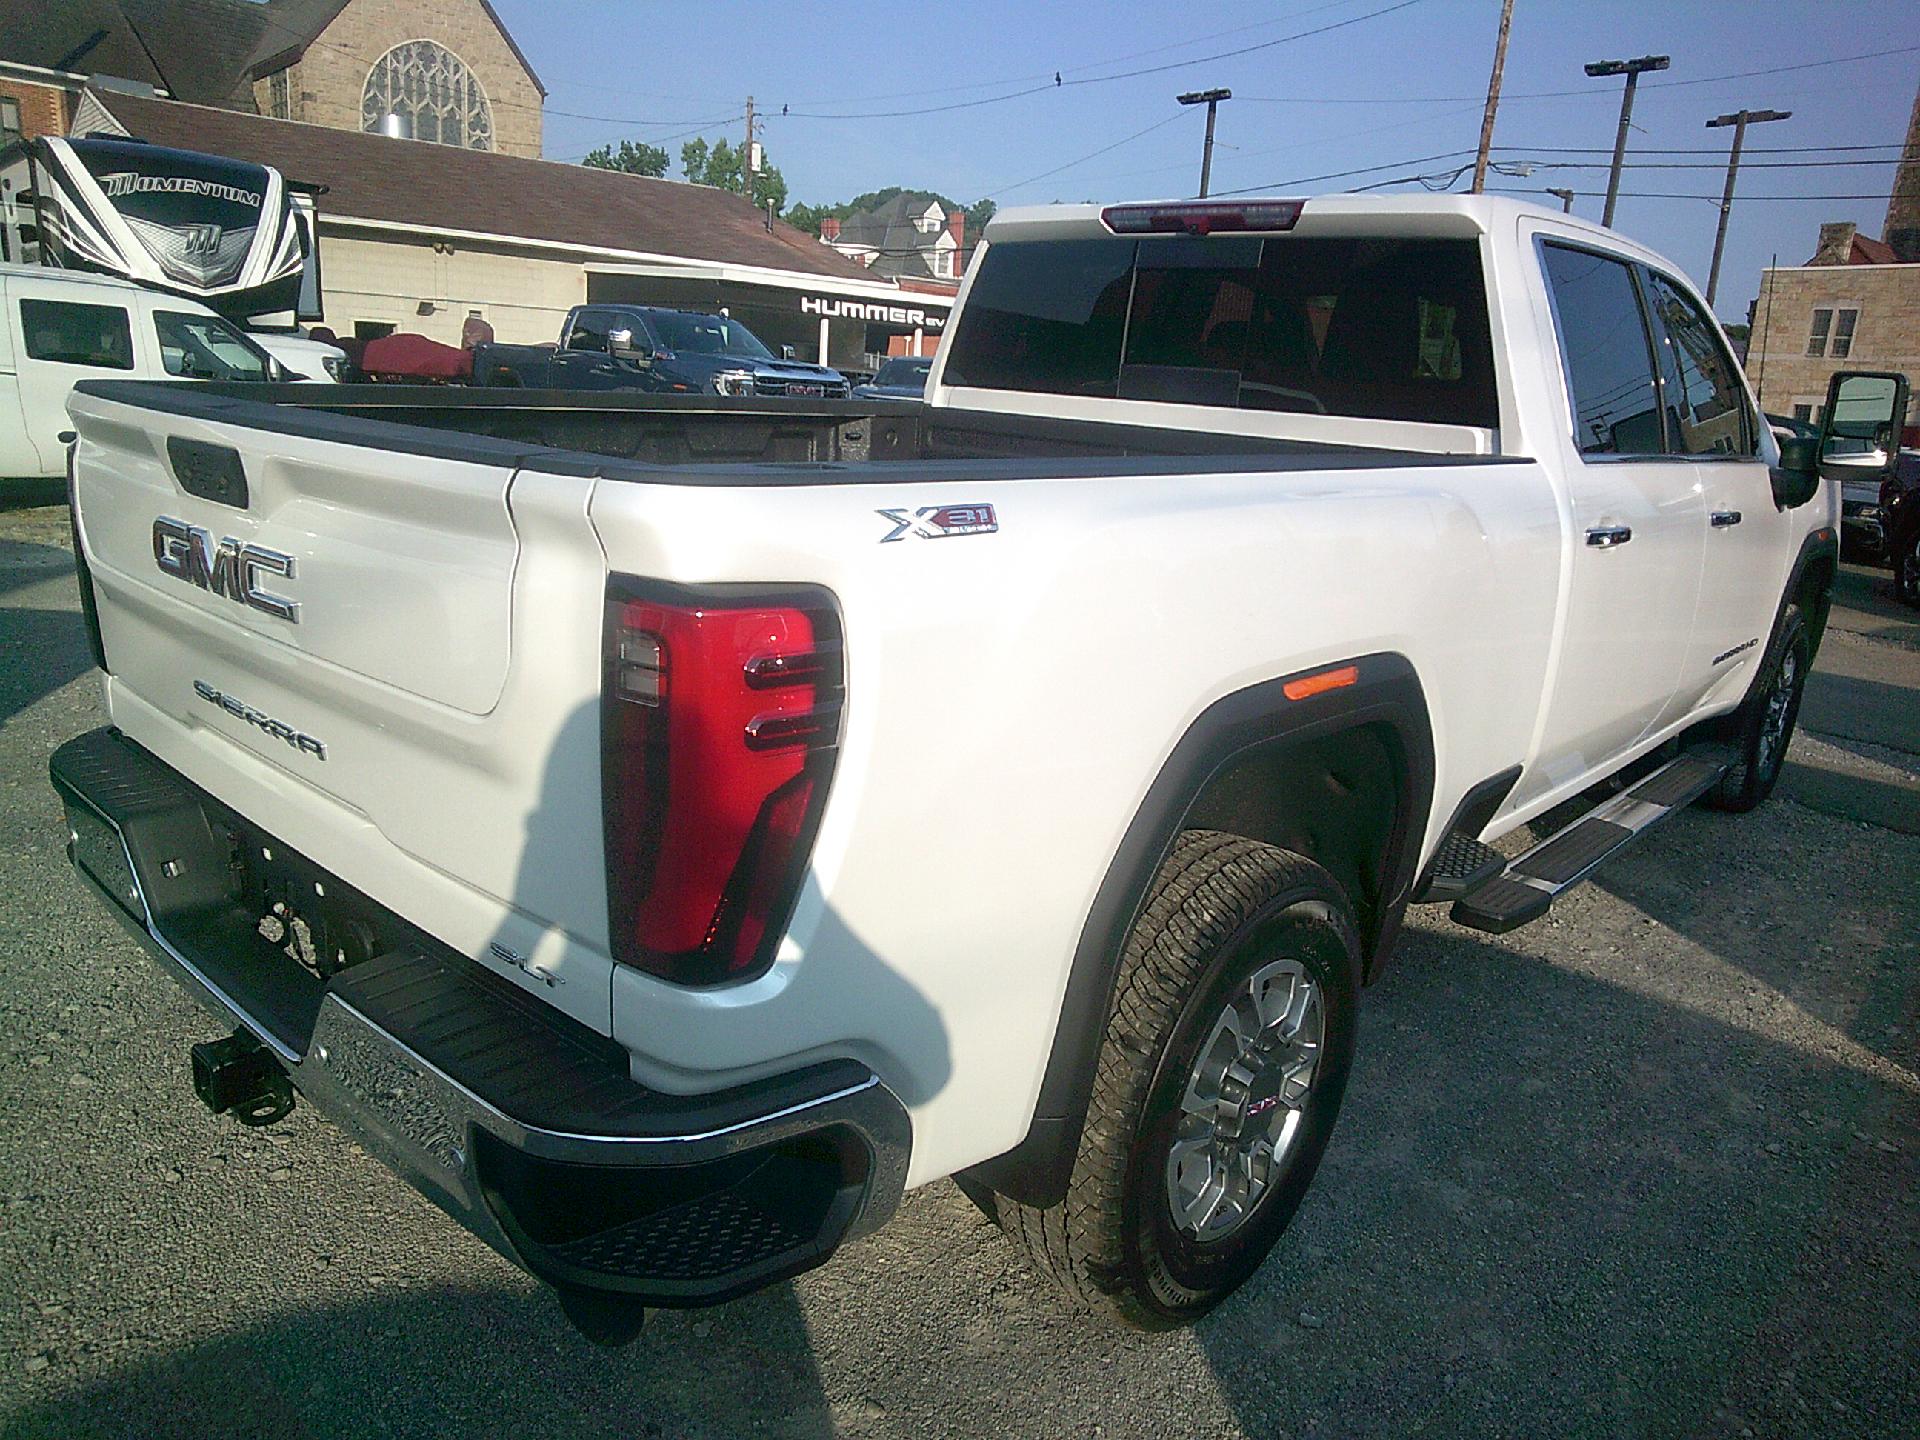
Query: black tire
1220	909
1904	557
1762	727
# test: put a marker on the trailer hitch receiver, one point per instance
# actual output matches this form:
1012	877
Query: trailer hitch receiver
237	1076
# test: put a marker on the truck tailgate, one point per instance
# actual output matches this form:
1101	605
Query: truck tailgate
403	564
327	636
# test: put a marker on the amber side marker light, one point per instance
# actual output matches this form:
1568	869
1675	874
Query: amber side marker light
1308	686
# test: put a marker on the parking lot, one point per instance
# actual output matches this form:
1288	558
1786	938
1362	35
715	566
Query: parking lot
1648	1167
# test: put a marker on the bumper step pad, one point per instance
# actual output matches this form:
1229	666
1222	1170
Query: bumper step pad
1461	867
1526	888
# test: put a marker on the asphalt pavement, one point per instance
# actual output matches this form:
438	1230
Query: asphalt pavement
1648	1167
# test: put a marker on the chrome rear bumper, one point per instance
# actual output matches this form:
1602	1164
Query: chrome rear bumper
515	1119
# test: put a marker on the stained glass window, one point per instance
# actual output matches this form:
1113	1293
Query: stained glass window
430	87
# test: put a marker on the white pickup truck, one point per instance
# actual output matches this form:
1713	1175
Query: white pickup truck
639	825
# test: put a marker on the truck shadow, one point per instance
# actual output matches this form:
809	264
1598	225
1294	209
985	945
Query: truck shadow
463	1361
31	494
561	842
47	652
1563	1199
1836	947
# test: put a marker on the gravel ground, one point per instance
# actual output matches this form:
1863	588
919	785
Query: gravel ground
1645	1168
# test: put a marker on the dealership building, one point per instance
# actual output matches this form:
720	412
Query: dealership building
419	237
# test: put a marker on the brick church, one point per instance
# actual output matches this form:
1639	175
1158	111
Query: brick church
448	69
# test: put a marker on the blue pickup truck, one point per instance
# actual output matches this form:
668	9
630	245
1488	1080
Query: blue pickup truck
667	352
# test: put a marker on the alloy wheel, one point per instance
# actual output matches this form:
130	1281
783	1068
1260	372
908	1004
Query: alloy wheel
1245	1101
1779	712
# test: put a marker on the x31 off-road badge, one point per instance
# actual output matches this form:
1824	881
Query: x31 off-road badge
939	522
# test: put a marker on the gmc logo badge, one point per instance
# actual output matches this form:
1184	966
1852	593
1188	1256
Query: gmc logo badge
228	568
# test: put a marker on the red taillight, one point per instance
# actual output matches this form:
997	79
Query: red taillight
719	718
1201	217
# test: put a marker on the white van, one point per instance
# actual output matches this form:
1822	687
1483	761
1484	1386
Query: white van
61	326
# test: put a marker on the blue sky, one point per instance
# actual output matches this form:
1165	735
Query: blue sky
1378	90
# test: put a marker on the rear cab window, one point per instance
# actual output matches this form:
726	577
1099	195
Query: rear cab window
1606	352
1381	328
64	332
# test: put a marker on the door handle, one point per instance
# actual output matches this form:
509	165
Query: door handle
1721	519
1607	537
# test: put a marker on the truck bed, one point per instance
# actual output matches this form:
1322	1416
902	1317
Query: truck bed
699	440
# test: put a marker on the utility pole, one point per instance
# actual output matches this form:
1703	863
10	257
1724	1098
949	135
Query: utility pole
747	166
1211	99
1739	120
1565	197
1493	98
1631	69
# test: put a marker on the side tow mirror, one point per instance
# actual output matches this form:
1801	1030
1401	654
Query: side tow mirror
1796	479
787	352
1859	432
622	345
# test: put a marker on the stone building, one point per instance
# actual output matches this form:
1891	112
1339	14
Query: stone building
1855	305
447	68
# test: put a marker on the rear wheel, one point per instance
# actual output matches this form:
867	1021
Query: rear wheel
1763	726
1226	1055
1906	566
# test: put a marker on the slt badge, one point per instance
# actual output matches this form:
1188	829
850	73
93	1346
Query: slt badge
939	522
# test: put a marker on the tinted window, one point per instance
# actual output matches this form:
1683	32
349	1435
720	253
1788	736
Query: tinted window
1047	316
590	331
1706	406
1603	344
1384	329
205	347
706	334
68	334
904	372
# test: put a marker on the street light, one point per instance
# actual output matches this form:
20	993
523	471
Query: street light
1565	197
1211	99
1632	70
1740	119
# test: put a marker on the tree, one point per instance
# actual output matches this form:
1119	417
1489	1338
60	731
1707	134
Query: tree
720	165
634	157
978	214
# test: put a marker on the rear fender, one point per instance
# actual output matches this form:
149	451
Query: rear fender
1386	692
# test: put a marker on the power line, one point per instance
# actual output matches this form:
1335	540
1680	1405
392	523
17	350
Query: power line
1704	149
1240	156
1708	165
1059	84
1343	174
1047	75
1049	174
1559	94
723	121
1685	195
